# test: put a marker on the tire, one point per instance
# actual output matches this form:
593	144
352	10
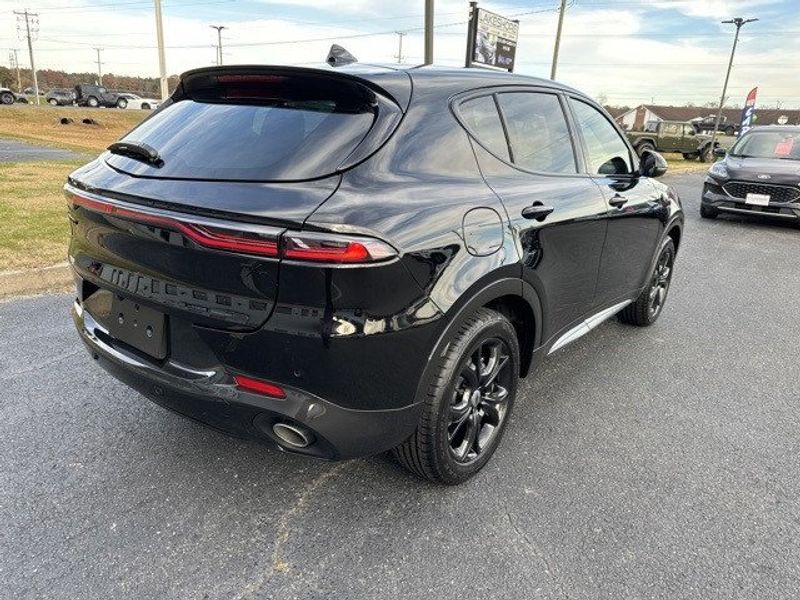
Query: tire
645	310
707	154
52	102
644	146
7	98
707	212
145	106
689	156
729	130
122	103
92	102
461	407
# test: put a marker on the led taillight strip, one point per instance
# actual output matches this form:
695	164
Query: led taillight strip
202	234
299	246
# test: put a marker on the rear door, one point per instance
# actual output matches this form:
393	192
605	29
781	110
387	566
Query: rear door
634	208
527	157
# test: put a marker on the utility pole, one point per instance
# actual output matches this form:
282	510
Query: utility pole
14	60
739	22
428	32
399	56
30	17
219	29
561	12
99	67
162	61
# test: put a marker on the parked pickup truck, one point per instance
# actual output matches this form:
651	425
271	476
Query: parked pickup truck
96	95
706	125
673	136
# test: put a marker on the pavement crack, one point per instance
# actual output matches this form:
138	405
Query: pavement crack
39	366
284	528
540	555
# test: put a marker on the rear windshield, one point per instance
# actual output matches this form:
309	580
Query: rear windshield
278	139
768	144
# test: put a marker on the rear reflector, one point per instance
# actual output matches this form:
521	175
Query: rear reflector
259	387
312	247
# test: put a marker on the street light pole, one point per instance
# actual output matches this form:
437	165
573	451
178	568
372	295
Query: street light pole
557	45
219	29
400	35
739	22
428	32
162	61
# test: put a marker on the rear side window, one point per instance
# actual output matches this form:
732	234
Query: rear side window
537	132
483	121
607	152
290	130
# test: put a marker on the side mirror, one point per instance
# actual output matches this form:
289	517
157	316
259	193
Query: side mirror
720	152
652	164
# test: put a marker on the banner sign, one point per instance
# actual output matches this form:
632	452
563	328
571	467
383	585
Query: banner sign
748	112
495	40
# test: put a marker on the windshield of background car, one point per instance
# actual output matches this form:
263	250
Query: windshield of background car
768	144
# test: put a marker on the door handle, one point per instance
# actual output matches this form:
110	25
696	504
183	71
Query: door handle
618	201
537	211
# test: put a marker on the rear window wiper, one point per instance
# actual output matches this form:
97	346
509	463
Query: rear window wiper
139	151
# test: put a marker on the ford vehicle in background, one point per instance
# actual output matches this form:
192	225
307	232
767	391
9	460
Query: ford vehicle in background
760	175
322	260
137	102
95	96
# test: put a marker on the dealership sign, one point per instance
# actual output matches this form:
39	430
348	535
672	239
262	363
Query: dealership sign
492	41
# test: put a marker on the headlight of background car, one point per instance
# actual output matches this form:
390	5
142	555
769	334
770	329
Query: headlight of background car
718	170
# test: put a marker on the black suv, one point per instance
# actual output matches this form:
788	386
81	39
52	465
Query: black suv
342	261
94	96
759	176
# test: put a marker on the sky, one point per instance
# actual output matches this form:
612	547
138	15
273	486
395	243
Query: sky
625	52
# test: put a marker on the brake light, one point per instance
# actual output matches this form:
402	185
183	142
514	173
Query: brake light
328	248
259	387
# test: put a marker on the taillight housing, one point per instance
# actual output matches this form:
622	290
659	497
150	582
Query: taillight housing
302	246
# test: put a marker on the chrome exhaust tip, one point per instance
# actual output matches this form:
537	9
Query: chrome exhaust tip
292	435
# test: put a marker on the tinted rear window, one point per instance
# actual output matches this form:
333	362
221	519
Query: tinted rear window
278	139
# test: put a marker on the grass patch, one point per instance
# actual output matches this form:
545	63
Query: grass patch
33	221
42	124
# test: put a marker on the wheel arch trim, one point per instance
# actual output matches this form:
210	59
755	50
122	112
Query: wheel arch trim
479	296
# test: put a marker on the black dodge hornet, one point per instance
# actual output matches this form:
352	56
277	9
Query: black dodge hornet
343	261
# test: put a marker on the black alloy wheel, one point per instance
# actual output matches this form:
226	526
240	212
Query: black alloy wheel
478	407
659	286
468	401
649	304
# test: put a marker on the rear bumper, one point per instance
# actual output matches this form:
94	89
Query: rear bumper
210	397
714	197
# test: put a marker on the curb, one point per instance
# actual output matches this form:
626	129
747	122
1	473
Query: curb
31	281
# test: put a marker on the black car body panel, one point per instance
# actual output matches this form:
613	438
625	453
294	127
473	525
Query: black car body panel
729	181
353	345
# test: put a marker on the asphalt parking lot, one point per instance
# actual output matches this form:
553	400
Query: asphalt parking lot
18	151
640	463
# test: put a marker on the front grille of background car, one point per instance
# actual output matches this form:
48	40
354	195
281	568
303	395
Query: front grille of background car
777	193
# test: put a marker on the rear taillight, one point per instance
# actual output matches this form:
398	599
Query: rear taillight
329	248
301	246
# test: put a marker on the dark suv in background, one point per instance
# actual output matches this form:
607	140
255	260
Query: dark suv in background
760	175
60	97
95	96
344	261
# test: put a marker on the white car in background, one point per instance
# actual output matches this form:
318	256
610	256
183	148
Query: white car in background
139	103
